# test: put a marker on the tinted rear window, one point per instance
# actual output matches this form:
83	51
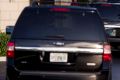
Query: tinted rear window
42	23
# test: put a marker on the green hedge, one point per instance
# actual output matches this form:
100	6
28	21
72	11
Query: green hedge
3	41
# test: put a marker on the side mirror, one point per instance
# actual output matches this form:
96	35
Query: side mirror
9	30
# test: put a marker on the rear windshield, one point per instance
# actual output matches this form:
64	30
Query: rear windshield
42	23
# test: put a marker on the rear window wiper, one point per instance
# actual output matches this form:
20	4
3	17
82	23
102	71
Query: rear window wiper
55	37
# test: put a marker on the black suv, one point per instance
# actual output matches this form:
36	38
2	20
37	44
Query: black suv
59	43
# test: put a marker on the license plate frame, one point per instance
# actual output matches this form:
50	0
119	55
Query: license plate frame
58	57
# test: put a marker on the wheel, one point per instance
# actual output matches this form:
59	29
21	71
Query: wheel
105	76
7	78
11	78
11	74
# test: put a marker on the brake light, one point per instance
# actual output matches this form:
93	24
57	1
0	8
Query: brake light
107	53
10	50
60	9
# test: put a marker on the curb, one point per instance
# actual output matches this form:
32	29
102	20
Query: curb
2	59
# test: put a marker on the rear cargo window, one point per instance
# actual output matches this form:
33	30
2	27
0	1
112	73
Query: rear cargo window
43	23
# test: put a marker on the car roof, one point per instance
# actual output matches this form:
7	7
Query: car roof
81	8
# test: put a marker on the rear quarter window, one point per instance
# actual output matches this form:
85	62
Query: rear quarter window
40	23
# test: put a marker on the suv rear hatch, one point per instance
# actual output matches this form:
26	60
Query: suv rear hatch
59	39
74	56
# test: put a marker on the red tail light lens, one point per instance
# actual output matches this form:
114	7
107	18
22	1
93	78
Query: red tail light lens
107	57
107	53
10	50
60	9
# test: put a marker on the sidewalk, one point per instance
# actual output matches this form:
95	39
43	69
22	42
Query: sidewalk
2	58
2	70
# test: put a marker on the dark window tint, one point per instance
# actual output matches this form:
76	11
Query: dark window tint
41	23
114	1
109	12
113	32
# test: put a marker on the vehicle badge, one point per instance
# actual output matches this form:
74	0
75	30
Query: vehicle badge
59	43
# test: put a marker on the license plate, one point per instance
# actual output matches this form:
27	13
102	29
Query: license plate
58	57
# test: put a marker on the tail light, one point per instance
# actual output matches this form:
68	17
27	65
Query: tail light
60	9
10	49
107	53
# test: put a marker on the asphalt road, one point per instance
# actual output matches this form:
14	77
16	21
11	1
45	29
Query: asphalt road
115	68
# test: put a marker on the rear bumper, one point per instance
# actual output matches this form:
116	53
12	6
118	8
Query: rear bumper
60	75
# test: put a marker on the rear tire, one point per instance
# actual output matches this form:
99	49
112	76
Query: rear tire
105	76
7	78
11	78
